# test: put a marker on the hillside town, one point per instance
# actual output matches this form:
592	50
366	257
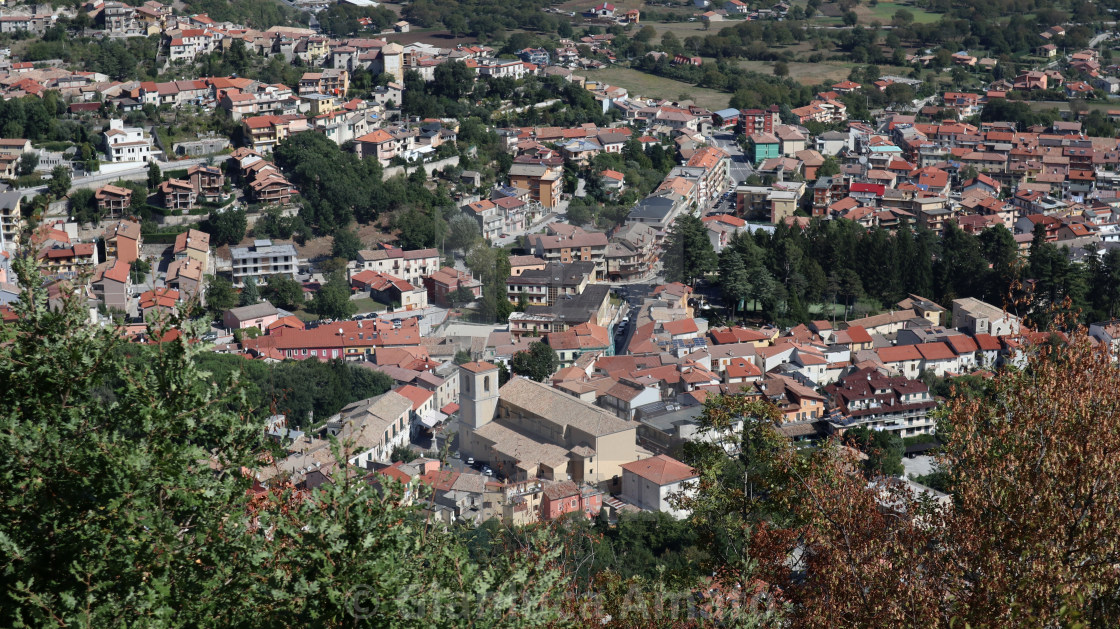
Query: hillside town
557	278
633	356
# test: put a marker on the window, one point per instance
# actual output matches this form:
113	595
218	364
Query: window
486	383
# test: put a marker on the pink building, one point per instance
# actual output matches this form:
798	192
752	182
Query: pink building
567	497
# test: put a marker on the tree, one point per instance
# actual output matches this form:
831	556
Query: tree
220	295
461	296
462	357
781	68
417	230
688	253
333	299
139	271
59	183
345	244
27	163
462	232
83	206
284	292
884	450
226	227
830	167
129	475
155	176
250	294
536	363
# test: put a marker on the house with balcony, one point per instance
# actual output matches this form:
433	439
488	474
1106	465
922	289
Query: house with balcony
113	199
123	240
178	194
193	244
411	266
876	401
207	181
111	284
127	144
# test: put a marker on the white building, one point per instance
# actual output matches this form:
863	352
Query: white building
262	260
648	483
127	144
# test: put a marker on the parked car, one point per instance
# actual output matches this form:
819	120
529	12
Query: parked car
470	460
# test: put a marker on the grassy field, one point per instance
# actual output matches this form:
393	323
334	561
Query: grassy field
642	84
365	304
804	73
884	12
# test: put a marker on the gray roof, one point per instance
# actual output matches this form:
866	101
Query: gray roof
255	311
657	208
559	407
9	199
263	248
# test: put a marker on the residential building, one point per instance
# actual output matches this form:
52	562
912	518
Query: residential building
876	401
566	497
578	246
123	240
544	183
262	260
186	277
127	144
193	244
649	484
113	199
11	221
389	290
556	281
206	181
177	194
411	266
258	316
369	430
111	284
442	283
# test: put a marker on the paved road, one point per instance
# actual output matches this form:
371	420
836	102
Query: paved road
132	174
740	167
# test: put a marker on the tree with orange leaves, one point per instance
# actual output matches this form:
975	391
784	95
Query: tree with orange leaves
1029	538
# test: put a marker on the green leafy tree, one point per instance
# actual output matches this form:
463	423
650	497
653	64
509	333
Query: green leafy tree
688	253
226	227
27	163
126	499
461	296
462	357
463	232
220	294
883	448
345	244
250	293
536	363
155	176
83	206
333	299
283	291
59	183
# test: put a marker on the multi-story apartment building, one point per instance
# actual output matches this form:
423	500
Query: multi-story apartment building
869	398
262	260
11	222
411	266
578	246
